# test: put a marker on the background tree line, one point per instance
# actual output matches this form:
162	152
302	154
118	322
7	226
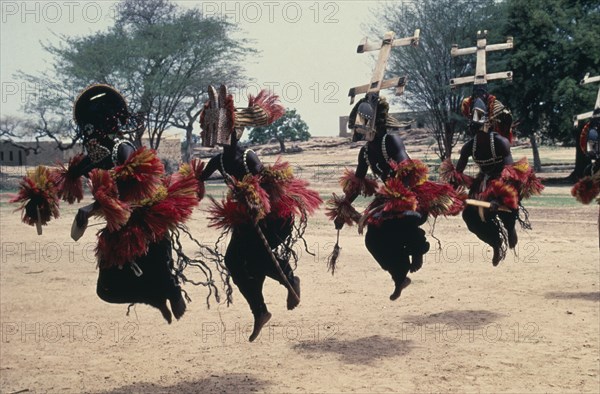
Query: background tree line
556	43
163	57
159	55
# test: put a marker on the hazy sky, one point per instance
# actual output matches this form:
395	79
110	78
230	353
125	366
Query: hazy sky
307	48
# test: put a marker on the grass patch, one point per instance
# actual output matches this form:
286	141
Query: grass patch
552	201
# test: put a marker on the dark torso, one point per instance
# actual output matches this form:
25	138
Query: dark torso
233	162
376	154
488	152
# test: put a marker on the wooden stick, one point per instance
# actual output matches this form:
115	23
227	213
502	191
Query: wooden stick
38	223
275	262
229	180
485	204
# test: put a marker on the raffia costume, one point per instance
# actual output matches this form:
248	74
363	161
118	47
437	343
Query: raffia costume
262	203
588	187
500	181
401	204
143	206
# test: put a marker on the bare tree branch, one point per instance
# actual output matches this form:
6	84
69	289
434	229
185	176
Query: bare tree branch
162	58
429	66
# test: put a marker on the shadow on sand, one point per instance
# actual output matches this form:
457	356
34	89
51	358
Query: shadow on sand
226	383
358	351
563	295
462	318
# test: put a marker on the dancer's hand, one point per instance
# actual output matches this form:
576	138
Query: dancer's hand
494	206
83	215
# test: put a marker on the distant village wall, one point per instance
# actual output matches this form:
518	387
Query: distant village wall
10	155
416	119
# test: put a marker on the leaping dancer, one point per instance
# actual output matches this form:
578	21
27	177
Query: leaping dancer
405	199
496	192
261	205
142	206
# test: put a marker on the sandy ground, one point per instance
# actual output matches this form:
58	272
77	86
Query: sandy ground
531	324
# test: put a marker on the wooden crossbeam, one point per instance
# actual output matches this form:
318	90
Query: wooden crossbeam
385	46
586	80
583	116
481	76
366	46
489	77
455	51
399	83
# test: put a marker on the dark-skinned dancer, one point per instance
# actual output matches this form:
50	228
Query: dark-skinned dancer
262	201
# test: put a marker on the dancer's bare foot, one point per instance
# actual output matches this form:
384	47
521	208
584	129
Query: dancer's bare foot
398	290
417	263
292	302
178	307
259	322
164	309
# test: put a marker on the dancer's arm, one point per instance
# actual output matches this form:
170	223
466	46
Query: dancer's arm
463	160
211	167
124	151
503	149
361	172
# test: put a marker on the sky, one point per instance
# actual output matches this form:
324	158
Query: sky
307	49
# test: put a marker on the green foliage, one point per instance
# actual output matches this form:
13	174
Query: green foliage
556	43
429	66
290	127
162	57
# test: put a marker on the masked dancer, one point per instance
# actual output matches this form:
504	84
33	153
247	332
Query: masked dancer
261	205
402	202
141	205
501	184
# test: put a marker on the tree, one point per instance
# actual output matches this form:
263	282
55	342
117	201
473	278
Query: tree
289	127
556	43
11	131
429	66
14	130
160	56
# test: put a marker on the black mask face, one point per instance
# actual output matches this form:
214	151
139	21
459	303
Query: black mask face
479	112
365	116
101	106
102	117
479	115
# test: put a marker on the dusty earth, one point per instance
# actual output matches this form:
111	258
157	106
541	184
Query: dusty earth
529	325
